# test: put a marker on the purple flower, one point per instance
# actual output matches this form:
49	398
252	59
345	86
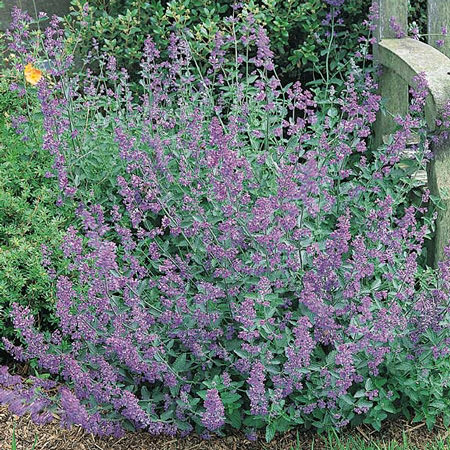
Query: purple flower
213	417
335	3
257	391
396	28
298	355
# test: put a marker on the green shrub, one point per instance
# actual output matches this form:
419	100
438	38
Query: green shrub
294	27
29	218
418	14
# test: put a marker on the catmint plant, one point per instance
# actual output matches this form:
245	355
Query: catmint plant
254	264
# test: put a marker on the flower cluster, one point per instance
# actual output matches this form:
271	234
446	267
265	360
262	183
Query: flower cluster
396	28
214	416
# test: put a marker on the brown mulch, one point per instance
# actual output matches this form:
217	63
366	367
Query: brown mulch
53	437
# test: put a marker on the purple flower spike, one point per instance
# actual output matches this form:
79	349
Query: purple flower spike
214	416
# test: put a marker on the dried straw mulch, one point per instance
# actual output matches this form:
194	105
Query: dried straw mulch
53	437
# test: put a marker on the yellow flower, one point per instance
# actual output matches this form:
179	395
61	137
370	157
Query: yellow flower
32	75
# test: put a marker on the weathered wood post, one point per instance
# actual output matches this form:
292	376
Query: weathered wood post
438	17
439	168
406	58
392	87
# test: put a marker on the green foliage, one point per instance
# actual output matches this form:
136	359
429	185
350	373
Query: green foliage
418	14
295	29
14	442
8	100
28	219
124	25
337	441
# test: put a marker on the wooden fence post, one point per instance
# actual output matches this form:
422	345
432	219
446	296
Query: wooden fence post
401	60
438	17
392	87
439	168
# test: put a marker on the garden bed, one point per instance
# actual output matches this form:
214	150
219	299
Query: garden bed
213	253
53	437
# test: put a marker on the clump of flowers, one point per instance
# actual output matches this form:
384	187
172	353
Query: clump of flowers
255	264
397	29
214	416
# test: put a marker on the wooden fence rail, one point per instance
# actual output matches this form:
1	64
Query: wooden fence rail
401	60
